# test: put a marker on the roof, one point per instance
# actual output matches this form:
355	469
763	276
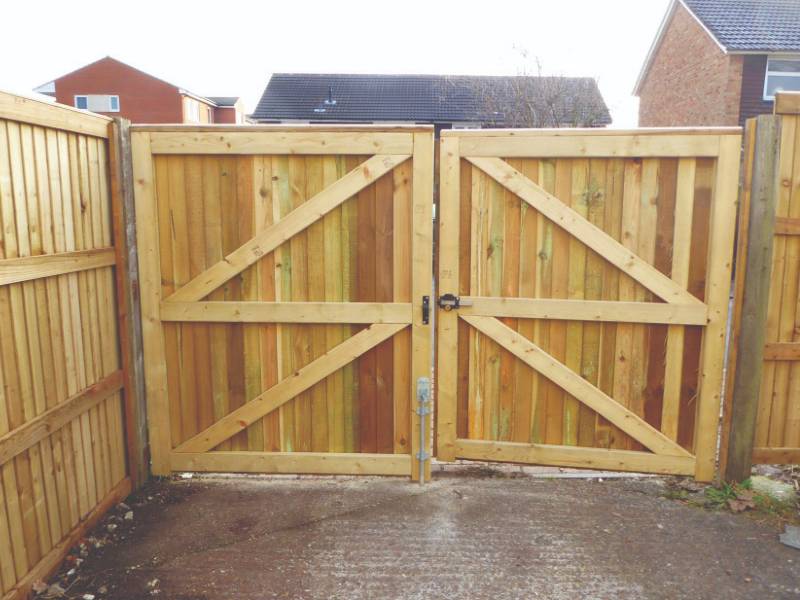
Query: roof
224	100
487	100
737	26
751	25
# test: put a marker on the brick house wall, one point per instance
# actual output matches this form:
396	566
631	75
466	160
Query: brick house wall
142	98
691	81
752	102
225	114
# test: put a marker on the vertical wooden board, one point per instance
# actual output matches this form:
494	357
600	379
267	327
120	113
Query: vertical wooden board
464	280
268	340
680	255
212	170
320	432
26	334
401	292
492	250
662	260
579	202
198	261
282	205
509	282
301	334
422	284
631	205
791	431
644	247
479	236
10	412
366	292
167	278
596	196
560	289
68	174
544	287
524	399
704	181
234	332
788	205
333	292
384	276
447	322
350	373
718	286
246	204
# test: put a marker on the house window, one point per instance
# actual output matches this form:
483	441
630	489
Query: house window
192	111
783	75
97	102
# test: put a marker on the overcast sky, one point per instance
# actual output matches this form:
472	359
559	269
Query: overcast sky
231	47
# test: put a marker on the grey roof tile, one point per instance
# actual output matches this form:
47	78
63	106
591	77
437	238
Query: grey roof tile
425	98
751	25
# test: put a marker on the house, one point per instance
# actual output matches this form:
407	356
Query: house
446	101
719	62
113	88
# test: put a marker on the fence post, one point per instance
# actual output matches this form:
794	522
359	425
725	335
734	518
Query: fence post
129	309
757	225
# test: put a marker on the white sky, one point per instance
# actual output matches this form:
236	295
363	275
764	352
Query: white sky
231	47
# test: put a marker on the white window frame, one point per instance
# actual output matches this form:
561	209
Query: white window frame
767	72
75	101
110	105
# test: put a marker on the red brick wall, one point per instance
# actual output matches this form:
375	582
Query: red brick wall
224	114
142	98
752	102
691	82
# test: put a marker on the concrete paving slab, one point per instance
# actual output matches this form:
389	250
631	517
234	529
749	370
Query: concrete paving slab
458	537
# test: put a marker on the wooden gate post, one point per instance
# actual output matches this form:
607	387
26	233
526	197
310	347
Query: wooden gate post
757	224
129	307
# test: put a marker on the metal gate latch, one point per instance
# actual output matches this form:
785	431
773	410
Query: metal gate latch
449	301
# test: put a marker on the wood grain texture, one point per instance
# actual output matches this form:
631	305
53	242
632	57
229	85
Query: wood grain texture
62	441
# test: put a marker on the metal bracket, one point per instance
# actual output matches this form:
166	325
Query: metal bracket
426	310
423	410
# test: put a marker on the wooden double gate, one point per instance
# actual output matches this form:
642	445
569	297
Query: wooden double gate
286	278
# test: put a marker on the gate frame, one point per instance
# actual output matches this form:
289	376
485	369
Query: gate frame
388	147
484	148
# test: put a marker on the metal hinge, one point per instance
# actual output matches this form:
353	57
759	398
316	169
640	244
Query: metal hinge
426	310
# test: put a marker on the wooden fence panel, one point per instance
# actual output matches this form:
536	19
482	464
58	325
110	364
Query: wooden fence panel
593	269
279	270
777	427
62	446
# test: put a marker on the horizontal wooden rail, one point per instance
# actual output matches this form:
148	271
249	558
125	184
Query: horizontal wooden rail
290	142
574	456
776	456
591	146
287	312
586	310
787	103
20	439
48	114
15	270
787	226
320	463
782	351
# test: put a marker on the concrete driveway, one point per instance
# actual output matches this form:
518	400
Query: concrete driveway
458	537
